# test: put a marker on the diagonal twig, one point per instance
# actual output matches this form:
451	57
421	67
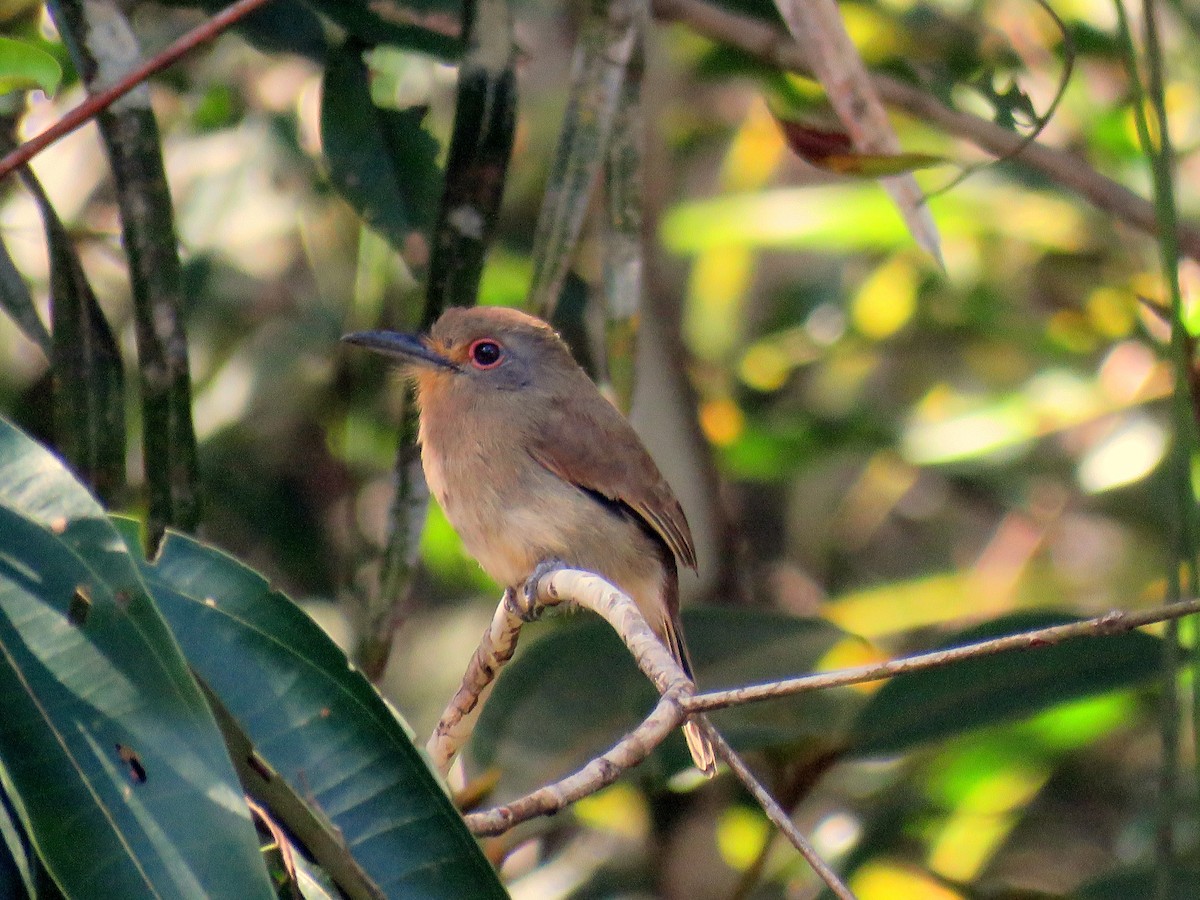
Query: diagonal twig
776	813
101	100
818	27
1115	622
495	648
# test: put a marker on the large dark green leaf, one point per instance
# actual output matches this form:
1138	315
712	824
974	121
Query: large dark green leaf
318	723
101	716
574	692
17	866
1141	884
381	160
429	26
940	703
287	26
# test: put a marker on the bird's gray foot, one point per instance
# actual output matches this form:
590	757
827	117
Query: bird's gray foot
528	600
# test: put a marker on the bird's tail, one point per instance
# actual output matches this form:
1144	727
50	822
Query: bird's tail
703	755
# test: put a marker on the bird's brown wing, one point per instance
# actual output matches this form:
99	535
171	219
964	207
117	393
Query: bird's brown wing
617	467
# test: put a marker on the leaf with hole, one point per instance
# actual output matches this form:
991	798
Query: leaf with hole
87	692
318	723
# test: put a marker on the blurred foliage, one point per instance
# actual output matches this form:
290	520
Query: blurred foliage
907	456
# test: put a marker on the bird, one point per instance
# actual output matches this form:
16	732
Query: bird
532	465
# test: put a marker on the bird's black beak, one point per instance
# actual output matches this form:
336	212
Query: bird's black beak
407	347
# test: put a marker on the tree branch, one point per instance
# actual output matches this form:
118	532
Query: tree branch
678	700
496	648
1067	170
1115	622
774	811
97	102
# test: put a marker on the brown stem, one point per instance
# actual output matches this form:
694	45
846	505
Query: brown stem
774	811
88	109
1111	623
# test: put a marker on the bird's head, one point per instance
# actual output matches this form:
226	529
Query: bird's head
481	350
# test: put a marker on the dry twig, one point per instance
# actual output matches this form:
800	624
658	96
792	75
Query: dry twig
495	649
500	640
1067	170
775	812
678	699
1115	622
594	593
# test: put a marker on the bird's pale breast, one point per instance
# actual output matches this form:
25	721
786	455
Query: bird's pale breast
512	513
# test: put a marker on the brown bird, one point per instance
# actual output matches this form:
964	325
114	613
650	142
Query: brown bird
532	464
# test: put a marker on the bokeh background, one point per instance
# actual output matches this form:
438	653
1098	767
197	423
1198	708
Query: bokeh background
862	439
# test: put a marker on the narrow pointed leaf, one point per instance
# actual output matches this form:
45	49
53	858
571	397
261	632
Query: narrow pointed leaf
24	67
89	381
318	723
18	303
101	715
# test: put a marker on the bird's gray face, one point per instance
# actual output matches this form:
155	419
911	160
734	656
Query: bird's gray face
495	359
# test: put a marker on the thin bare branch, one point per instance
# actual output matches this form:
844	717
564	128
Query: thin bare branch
593	593
495	649
597	595
1067	170
776	813
500	640
600	772
1115	622
678	701
88	109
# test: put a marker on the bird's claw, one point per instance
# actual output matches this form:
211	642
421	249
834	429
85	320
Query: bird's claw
525	600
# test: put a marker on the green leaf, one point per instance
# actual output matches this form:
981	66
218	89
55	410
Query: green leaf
17	864
428	26
381	160
940	703
101	716
574	692
1141	884
89	381
281	26
24	67
18	303
318	723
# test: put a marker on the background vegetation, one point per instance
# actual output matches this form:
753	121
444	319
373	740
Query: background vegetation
879	454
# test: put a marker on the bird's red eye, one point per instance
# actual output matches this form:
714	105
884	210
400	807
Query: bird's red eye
485	353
